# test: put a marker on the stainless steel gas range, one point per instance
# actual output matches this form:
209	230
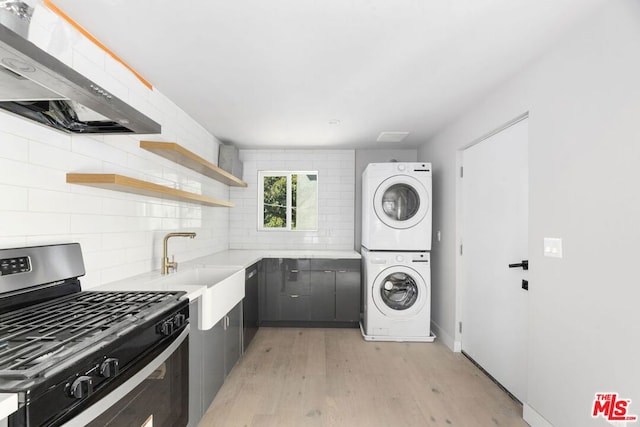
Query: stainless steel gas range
86	357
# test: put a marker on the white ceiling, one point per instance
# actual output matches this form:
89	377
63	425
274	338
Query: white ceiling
275	73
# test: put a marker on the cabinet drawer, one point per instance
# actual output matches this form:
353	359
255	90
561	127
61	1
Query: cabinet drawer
291	264
294	307
296	283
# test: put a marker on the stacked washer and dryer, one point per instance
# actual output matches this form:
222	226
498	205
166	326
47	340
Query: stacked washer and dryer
396	240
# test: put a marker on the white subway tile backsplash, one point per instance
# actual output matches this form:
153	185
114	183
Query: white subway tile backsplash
113	241
86	223
93	148
24	223
13	198
14	147
12	241
37	240
63	202
138	254
114	206
119	272
43	154
125	143
26	175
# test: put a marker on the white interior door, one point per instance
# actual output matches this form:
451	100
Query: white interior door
495	234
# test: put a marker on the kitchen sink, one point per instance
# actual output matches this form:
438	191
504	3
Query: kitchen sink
203	276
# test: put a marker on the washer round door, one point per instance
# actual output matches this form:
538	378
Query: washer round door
401	201
399	292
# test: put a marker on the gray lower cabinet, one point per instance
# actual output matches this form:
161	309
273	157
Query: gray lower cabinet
348	290
232	338
212	355
323	295
294	307
270	285
250	304
213	364
295	290
195	366
310	292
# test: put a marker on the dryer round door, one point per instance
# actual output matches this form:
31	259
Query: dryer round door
399	292
401	201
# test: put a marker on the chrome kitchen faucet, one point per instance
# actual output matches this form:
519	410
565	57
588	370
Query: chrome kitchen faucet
171	265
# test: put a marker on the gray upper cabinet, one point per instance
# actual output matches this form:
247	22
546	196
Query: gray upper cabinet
310	292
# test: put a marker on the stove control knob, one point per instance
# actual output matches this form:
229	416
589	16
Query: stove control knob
109	367
179	320
166	328
81	387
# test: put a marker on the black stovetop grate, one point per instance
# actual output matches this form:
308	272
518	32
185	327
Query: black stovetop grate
36	337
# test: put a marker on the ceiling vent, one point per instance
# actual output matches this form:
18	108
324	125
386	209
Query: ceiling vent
392	136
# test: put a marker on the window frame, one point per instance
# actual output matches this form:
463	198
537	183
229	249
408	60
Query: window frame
262	174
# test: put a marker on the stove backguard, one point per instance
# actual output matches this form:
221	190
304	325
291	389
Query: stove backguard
36	273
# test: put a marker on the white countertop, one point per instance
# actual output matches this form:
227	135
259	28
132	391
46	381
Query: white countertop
233	259
248	257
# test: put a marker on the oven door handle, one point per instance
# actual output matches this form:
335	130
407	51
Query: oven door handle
114	396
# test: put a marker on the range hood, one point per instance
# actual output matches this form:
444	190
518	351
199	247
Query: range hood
37	86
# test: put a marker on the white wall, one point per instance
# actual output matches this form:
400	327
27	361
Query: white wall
335	200
120	234
584	152
378	155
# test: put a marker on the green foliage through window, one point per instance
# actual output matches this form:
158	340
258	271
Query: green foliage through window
289	200
275	201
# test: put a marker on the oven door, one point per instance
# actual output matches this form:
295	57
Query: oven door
157	395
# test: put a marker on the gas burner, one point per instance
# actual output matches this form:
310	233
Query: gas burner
48	350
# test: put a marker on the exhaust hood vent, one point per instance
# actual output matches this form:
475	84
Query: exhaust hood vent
39	87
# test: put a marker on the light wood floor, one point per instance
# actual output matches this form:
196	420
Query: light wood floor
332	377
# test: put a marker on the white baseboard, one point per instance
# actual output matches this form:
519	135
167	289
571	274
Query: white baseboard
445	338
533	418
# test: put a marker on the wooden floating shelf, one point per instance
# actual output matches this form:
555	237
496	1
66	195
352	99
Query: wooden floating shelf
111	181
182	156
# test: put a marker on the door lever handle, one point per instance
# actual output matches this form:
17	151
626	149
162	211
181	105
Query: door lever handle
524	264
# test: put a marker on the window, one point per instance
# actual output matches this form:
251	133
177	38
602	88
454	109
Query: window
287	200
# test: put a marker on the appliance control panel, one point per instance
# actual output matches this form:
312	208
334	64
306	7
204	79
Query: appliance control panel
14	265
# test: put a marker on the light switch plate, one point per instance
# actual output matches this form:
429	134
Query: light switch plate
553	247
